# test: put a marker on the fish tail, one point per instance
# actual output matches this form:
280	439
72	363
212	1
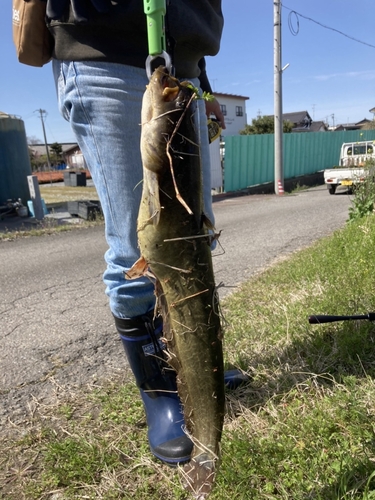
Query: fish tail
199	475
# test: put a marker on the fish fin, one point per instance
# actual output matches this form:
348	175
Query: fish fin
207	222
138	269
213	236
199	476
151	187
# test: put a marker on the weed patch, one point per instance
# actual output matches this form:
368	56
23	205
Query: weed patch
301	429
364	194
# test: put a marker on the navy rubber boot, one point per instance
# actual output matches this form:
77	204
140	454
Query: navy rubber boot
141	338
235	378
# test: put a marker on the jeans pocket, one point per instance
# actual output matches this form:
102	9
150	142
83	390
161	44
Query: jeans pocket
60	82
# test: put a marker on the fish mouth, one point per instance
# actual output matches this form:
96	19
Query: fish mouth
166	79
170	86
165	88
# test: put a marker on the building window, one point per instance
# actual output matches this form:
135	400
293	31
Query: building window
239	111
223	108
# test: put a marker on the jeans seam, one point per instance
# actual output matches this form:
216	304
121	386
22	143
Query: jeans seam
97	150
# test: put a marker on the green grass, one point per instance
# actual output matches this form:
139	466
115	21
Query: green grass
58	193
55	195
49	226
302	429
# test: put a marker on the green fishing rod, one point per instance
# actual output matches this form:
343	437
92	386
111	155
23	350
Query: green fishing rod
155	11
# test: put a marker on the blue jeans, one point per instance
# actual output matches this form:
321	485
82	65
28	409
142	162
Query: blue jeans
102	102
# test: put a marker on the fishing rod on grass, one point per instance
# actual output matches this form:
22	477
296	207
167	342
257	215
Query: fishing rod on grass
324	318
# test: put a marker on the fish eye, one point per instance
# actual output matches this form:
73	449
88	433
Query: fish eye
181	101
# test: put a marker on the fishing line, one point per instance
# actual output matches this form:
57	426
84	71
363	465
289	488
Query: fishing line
295	31
293	15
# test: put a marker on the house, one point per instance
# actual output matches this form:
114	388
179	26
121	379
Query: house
301	120
352	126
71	153
318	126
233	108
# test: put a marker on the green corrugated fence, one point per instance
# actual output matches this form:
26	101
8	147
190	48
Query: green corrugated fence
249	159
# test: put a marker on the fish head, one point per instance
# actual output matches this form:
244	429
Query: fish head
166	92
168	107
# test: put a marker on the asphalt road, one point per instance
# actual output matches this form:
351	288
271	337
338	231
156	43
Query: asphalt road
56	330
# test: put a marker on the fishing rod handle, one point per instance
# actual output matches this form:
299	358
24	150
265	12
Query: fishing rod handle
325	318
155	11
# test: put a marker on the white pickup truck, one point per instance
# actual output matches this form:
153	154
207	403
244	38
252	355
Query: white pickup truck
351	170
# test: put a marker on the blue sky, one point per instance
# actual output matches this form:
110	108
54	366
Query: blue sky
329	75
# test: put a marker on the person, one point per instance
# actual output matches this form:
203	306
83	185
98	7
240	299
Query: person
100	50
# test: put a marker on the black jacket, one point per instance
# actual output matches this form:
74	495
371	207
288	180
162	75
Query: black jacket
195	27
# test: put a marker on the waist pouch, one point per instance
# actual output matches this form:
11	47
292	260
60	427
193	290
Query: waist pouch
33	41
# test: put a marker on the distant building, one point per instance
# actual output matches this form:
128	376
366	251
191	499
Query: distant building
319	126
352	126
234	111
302	122
71	153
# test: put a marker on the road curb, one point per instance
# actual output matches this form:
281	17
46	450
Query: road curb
310	180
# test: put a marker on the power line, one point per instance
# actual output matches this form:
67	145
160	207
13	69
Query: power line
295	31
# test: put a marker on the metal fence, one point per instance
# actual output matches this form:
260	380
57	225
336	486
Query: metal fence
249	159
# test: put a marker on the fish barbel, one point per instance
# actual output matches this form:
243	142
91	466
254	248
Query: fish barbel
175	250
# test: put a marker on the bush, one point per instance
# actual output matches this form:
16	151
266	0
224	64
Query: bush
364	194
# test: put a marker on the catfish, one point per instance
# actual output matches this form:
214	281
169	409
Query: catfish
175	238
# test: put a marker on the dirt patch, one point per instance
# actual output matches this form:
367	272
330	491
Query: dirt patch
55	176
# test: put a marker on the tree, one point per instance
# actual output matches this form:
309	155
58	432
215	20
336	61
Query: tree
37	162
265	125
56	153
56	149
32	139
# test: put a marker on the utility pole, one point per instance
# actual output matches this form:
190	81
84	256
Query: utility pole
278	99
42	114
